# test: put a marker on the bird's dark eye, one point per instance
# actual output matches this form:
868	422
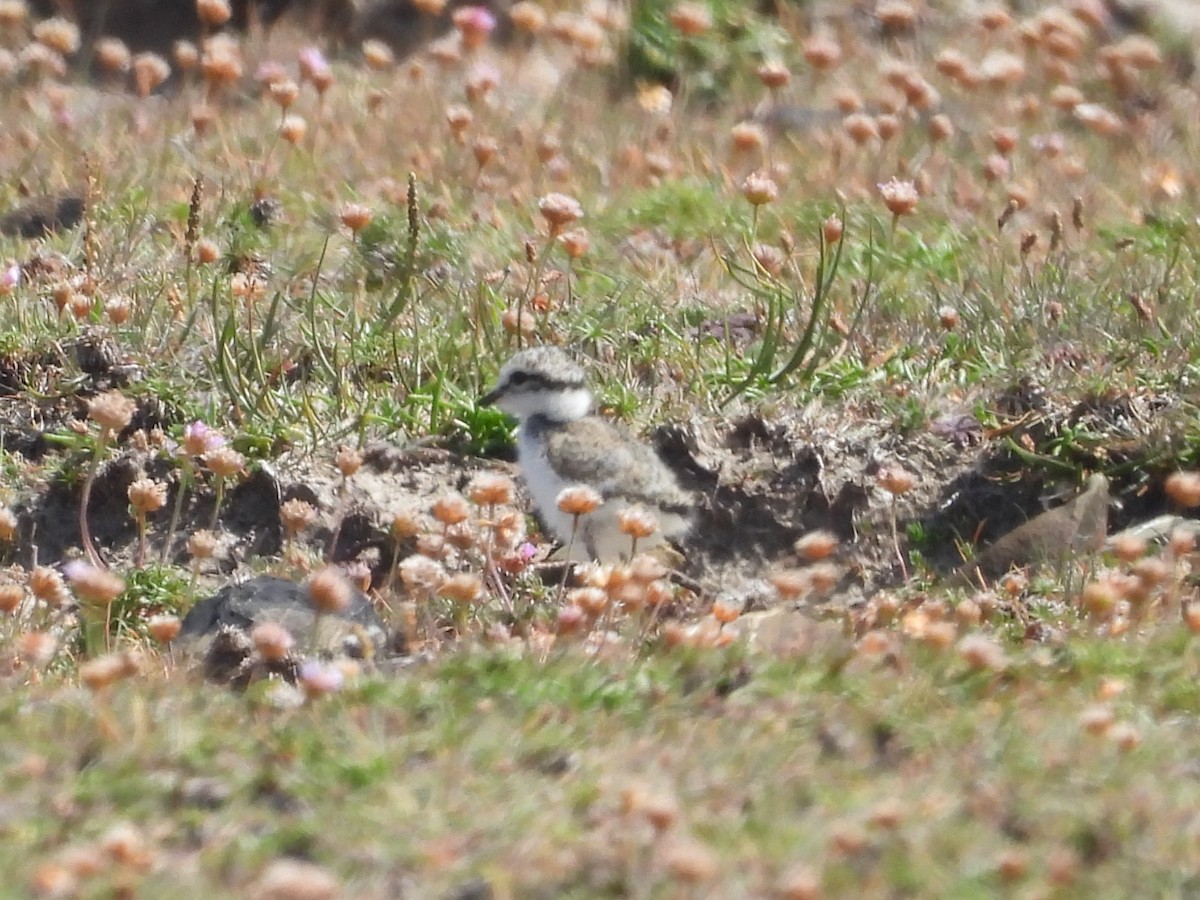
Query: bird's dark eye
518	378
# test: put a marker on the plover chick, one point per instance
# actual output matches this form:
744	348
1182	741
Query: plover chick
561	444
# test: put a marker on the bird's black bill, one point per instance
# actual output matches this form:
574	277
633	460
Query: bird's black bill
489	398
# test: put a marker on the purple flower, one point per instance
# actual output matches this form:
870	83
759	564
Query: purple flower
199	439
10	278
318	679
478	19
527	551
313	65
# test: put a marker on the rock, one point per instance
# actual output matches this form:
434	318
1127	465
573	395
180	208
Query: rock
218	628
1077	527
43	215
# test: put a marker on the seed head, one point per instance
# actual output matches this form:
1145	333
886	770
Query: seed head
900	197
491	490
47	585
759	189
225	462
112	410
202	544
164	628
637	522
690	861
895	480
419	572
58	34
213	13
465	588
8	524
578	501
407	524
104	671
356	216
574	242
329	591
293	879
147	495
559	210
691	19
272	641
149	71
297	515
451	509
292	129
527	16
13	13
284	92
11	597
93	585
37	647
377	54
112	55
982	652
816	545
774	75
1183	488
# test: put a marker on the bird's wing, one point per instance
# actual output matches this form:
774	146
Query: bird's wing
632	467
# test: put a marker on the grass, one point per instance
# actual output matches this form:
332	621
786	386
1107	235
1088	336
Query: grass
359	272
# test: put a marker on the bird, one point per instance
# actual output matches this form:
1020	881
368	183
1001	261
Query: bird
1076	528
562	444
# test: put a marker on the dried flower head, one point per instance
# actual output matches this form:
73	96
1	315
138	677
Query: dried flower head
164	628
356	216
213	13
759	189
1183	488
272	641
292	129
113	411
147	495
465	588
329	590
527	16
202	544
8	524
559	210
48	586
451	509
112	55
104	671
637	522
578	501
149	71
93	585
774	75
225	462
297	515
895	480
816	545
59	34
900	197
491	489
691	19
378	54
420	573
11	597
